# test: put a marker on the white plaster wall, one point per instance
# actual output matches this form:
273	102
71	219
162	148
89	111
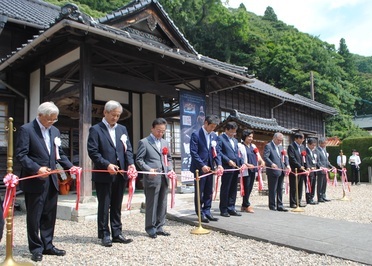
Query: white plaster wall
34	94
136	118
148	112
62	61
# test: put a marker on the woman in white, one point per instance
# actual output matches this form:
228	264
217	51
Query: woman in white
247	150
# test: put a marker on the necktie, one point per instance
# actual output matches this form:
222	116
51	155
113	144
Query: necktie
47	138
232	143
208	137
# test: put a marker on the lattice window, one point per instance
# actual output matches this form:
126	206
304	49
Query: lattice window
3	123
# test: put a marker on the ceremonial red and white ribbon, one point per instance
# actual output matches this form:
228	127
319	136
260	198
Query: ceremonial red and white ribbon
286	180
214	151
335	179
219	173
173	178
57	143
303	153
11	182
259	178
242	191
308	183
132	176
77	171
124	139
345	183
165	155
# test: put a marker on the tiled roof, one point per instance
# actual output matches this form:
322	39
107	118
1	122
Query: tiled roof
36	12
267	89
254	122
363	121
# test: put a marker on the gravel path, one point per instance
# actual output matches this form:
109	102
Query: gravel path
183	248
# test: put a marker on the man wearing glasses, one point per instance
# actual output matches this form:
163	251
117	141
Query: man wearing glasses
38	148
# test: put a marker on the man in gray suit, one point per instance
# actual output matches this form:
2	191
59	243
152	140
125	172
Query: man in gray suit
323	162
275	163
153	155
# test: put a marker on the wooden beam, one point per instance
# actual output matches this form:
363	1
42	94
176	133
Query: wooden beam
117	80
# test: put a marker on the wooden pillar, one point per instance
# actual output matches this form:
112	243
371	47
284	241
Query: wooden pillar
85	121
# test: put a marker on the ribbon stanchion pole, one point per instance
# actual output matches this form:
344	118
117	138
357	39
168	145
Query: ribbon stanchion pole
297	209
200	230
9	219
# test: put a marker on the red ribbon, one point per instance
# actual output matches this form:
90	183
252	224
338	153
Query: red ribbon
284	153
10	181
308	183
344	179
214	152
173	178
132	176
286	180
165	153
77	171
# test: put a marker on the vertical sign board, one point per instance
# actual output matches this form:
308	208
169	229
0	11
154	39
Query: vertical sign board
192	106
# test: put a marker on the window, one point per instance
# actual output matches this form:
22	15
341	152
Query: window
173	136
224	115
3	124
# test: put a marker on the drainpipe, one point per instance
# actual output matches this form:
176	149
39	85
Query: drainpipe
25	114
272	109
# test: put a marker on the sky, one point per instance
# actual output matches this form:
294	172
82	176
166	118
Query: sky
329	20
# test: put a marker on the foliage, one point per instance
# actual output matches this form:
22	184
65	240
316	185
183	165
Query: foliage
275	52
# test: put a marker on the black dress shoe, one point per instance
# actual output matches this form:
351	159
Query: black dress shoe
204	219
235	213
121	239
272	209
37	256
211	218
106	241
153	236
281	209
327	200
293	206
321	200
225	214
302	205
162	233
54	251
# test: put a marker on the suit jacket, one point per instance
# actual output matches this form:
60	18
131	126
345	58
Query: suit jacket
311	161
149	157
32	153
272	157
228	152
295	158
323	158
103	152
200	154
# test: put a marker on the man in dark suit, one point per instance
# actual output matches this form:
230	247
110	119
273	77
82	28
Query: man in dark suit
38	149
1	220
230	160
109	149
205	157
275	162
311	163
296	161
153	155
323	162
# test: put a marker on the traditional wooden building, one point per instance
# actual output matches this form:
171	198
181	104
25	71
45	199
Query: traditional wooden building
136	56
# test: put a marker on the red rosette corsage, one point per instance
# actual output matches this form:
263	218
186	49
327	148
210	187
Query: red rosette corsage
255	150
165	153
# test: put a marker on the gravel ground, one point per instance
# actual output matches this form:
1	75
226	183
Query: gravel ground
182	248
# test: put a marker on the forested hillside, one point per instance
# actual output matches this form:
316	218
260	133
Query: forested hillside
275	52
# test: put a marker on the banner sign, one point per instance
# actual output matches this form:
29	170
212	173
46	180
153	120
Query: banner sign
192	116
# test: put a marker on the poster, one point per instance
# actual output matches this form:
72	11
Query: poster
192	118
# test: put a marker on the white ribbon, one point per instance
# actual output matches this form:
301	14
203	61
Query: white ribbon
124	139
57	143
